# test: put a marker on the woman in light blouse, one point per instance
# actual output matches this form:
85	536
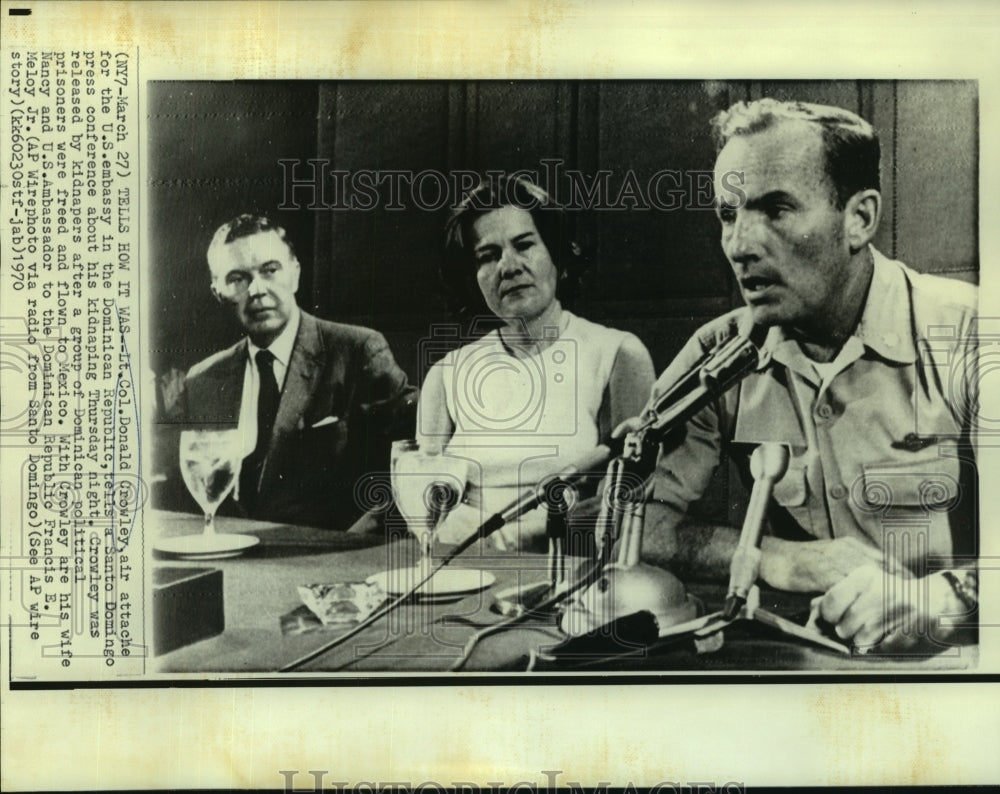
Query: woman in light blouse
545	387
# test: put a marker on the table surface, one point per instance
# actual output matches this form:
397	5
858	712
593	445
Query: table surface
261	587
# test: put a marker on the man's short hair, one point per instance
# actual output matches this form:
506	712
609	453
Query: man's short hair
246	225
850	144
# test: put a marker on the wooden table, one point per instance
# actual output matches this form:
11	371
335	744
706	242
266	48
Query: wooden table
261	586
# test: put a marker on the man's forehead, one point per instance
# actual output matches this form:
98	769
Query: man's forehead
250	251
790	150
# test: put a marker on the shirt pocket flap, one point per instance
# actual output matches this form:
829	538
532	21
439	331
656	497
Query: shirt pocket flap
791	490
923	484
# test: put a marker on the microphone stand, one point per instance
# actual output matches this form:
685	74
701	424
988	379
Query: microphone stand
768	464
386	609
536	597
628	585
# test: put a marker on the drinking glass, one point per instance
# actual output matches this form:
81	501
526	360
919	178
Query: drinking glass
426	485
210	465
210	461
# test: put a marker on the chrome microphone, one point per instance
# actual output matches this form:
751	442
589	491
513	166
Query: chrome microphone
768	464
712	376
590	466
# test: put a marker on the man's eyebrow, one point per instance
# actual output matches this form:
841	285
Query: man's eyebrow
770	198
262	265
766	200
243	269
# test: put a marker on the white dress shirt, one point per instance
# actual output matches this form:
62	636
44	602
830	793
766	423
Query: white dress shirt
281	349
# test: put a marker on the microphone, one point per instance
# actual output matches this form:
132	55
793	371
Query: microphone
768	464
713	375
549	489
734	358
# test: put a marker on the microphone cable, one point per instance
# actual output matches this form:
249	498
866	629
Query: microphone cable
591	576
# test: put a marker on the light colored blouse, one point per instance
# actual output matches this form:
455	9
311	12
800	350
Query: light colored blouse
517	417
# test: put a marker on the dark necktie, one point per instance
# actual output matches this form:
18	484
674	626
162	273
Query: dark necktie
267	410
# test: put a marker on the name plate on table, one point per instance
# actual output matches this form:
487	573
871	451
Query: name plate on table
187	607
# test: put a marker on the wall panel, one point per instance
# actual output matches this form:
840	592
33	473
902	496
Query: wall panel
213	153
937	177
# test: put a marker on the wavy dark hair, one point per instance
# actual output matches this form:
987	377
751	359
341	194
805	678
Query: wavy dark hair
458	270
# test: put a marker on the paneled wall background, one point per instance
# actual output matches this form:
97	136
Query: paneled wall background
215	151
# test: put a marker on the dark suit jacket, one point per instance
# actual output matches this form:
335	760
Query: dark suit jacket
310	474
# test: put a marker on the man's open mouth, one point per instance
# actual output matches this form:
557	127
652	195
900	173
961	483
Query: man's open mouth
754	285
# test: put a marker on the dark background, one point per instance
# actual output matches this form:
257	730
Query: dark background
215	147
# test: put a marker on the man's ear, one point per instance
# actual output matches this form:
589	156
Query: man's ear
215	292
861	218
298	272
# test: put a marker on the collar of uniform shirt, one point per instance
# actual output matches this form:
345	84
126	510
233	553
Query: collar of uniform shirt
885	319
885	325
280	348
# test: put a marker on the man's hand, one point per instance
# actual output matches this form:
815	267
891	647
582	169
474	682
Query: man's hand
626	427
171	385
876	610
815	566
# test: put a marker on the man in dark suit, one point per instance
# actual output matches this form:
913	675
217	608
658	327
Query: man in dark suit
317	402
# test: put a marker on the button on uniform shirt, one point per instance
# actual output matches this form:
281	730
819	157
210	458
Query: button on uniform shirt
879	437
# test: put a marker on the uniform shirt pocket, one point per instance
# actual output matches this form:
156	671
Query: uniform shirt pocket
910	503
927	485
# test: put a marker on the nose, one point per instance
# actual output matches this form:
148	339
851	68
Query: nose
510	262
257	286
741	239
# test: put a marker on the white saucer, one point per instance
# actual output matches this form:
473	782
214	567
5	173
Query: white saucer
448	583
207	547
